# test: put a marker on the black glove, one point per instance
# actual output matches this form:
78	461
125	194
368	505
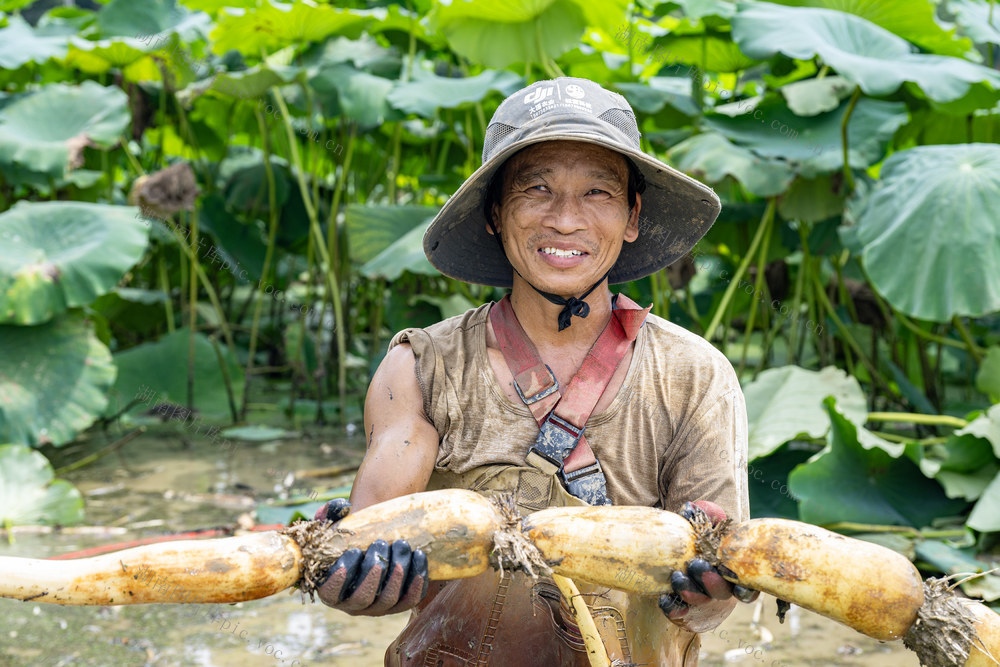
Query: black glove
702	582
384	579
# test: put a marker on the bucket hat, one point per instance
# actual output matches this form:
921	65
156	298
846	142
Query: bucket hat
676	210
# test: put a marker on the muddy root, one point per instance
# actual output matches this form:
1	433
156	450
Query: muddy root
708	536
511	549
943	633
317	541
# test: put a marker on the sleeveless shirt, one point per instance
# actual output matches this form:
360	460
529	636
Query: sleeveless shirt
675	432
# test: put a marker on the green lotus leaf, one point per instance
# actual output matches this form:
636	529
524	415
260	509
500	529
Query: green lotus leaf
985	515
964	465
54	380
358	95
157	372
650	97
427	92
848	482
20	43
985	426
711	53
30	494
502	34
57	255
46	132
214	7
252	84
913	20
973	16
406	254
399	18
99	57
271	26
13	5
937	206
768	476
988	377
364	53
814	144
815	96
811	200
372	229
699	9
126	18
712	158
787	403
946	558
243	182
860	51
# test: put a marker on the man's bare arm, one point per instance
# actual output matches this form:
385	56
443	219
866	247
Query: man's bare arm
402	443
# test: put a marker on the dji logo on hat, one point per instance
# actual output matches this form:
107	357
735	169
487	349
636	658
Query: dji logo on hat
574	90
538	95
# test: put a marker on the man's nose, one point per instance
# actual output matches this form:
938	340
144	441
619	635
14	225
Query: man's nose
565	214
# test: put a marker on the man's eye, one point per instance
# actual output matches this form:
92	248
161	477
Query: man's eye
597	191
543	188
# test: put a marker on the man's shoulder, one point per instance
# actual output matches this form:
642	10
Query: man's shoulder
684	351
663	333
452	326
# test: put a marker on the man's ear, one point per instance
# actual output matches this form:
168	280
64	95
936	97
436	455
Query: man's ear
495	214
632	227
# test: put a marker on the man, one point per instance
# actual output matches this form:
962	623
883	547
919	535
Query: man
498	399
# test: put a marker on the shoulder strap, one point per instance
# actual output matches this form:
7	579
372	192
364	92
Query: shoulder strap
562	417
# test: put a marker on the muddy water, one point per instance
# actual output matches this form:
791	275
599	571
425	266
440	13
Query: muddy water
161	483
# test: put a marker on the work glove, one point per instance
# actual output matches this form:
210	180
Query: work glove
386	578
702	582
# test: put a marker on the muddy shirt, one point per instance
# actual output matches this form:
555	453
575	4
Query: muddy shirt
676	431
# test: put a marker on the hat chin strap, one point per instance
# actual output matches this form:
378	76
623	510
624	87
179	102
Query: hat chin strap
571	306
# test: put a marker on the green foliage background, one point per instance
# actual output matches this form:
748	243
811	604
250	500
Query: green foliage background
857	255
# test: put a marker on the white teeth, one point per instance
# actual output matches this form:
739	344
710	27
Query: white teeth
561	253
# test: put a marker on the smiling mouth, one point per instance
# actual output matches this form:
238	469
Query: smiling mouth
556	252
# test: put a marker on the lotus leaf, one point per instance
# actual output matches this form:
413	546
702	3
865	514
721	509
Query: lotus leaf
57	255
356	94
848	482
499	35
712	157
20	43
974	18
127	18
816	96
30	494
988	377
157	372
937	206
372	229
428	92
913	20
787	402
861	52
46	132
54	380
271	26
406	254
814	143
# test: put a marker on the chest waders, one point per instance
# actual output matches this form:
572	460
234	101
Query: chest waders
511	620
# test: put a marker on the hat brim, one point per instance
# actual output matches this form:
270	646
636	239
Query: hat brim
677	211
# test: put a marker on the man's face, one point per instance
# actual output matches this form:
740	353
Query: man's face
564	214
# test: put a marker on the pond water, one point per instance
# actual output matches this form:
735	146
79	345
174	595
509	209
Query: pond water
161	482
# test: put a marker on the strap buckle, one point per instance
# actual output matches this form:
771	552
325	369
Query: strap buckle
548	391
588	484
556	439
